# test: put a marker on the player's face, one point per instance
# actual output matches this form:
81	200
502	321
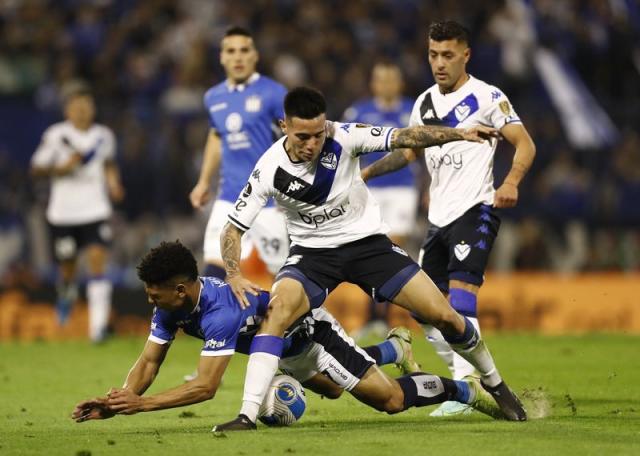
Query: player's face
80	111
239	57
167	297
386	82
305	137
448	60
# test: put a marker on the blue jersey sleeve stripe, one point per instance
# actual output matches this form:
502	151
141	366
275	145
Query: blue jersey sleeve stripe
157	340
227	352
238	224
387	139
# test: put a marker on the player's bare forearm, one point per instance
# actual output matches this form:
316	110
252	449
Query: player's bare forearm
397	159
524	154
230	245
141	376
424	136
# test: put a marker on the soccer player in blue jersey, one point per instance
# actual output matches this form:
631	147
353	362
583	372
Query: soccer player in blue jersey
464	204
243	114
317	350
396	193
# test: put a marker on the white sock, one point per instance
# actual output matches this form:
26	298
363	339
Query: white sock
99	297
443	350
261	369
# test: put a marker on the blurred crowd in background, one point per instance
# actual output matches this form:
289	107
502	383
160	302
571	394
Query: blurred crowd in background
150	61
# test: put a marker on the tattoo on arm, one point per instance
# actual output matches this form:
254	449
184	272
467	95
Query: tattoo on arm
230	241
391	162
424	136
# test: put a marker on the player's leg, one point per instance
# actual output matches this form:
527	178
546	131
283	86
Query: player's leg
96	238
288	302
395	349
65	251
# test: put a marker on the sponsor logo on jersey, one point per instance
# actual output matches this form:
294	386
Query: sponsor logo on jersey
256	174
495	95
329	160
336	370
447	159
218	107
212	343
346	127
240	204
253	103
317	219
376	131
430	384
246	191
462	251
294	186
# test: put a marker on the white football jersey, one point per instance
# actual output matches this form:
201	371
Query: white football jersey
80	197
325	201
461	171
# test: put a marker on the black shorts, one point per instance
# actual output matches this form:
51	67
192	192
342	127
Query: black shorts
68	240
375	264
460	250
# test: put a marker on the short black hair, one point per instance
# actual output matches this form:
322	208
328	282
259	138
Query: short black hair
448	30
73	89
237	30
304	103
167	261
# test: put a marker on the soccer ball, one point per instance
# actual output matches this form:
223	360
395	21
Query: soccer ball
284	403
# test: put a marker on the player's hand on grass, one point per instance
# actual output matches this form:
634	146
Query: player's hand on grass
93	409
480	133
124	401
239	285
506	195
200	195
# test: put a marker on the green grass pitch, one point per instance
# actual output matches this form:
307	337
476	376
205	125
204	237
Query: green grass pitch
591	383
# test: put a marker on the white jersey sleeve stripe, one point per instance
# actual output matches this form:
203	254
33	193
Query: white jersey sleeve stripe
157	340
228	352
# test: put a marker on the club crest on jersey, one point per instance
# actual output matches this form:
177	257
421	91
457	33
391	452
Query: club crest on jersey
461	251
233	122
462	111
253	104
329	160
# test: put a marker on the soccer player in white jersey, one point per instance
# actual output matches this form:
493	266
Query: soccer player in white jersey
79	157
244	111
337	235
463	209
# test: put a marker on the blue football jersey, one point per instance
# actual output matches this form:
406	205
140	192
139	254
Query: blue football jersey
367	112
221	323
246	118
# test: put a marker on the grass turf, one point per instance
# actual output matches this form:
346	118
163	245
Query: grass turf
591	382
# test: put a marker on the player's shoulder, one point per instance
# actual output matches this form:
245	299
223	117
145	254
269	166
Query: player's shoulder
487	92
102	129
270	82
58	128
216	91
270	160
423	95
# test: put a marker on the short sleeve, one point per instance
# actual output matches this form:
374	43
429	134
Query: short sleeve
500	111
212	120
414	118
252	198
163	330
44	155
367	138
109	145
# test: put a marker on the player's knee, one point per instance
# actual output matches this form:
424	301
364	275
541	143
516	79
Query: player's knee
395	401
333	393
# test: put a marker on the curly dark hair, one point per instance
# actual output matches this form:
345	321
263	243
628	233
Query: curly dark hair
167	261
448	30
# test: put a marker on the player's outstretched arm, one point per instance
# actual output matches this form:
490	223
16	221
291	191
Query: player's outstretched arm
230	245
124	401
139	378
421	136
398	158
200	194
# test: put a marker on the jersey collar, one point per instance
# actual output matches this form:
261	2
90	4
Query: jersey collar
233	87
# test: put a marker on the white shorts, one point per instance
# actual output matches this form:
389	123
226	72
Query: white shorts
331	352
398	206
268	235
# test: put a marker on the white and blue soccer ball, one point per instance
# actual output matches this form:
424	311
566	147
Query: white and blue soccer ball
284	403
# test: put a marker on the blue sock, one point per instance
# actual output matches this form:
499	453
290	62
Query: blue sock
467	339
384	353
463	394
